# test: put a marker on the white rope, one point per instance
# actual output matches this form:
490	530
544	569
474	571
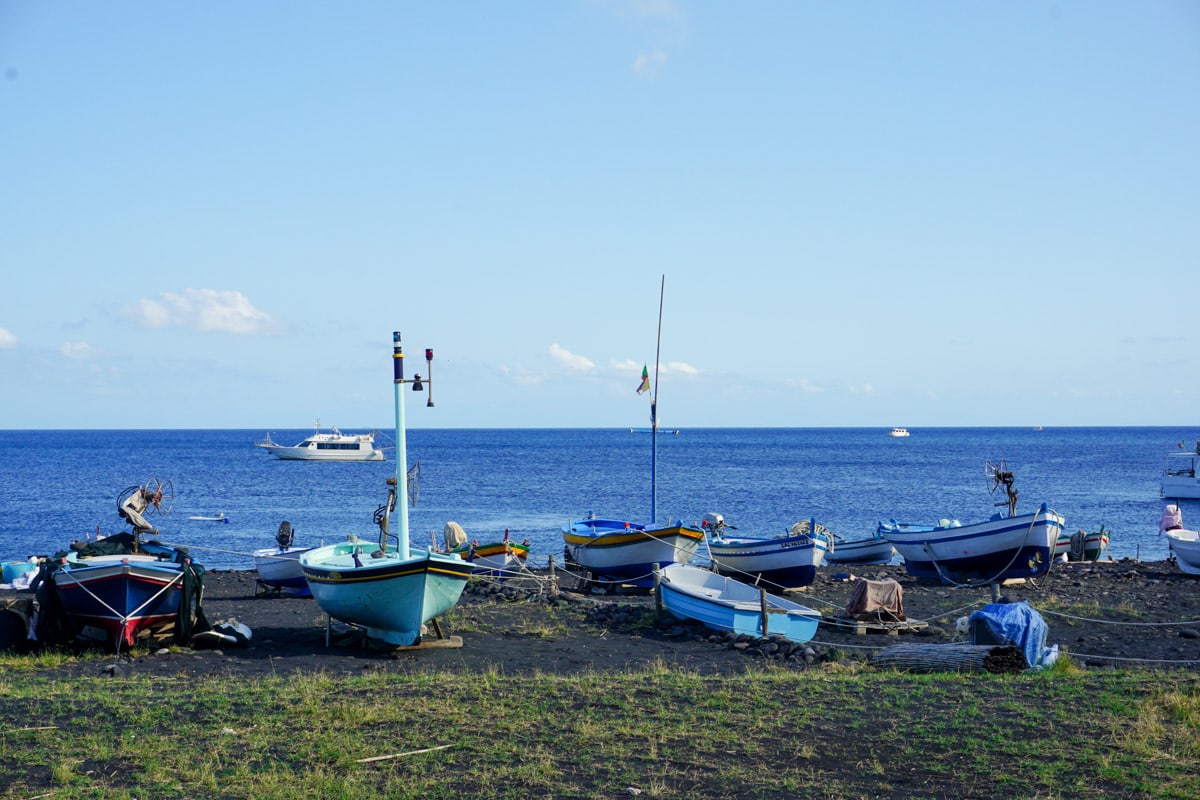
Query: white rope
1118	622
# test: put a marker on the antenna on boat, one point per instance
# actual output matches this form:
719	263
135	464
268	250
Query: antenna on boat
654	411
998	476
401	445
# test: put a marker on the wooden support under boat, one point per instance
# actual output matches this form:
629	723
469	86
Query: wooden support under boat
442	642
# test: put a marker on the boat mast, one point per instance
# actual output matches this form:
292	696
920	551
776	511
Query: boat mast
401	445
654	412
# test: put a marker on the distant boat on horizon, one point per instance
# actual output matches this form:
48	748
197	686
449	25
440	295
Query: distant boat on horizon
899	432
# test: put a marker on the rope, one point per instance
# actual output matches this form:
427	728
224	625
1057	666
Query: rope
1118	622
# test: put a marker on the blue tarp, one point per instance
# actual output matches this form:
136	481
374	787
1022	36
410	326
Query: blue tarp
1017	624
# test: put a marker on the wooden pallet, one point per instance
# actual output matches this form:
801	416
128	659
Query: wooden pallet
861	627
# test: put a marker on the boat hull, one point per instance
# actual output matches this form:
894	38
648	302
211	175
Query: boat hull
280	569
620	551
494	558
309	454
1181	478
724	604
1185	545
1000	549
861	551
1081	546
390	597
127	597
783	562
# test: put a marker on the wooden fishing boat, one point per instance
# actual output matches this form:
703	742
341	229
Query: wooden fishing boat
497	558
785	561
1082	545
621	551
724	604
386	587
998	549
120	589
874	549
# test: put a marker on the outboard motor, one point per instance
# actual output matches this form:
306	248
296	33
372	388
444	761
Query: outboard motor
713	522
284	537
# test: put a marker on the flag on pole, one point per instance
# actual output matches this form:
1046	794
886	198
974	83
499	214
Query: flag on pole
644	386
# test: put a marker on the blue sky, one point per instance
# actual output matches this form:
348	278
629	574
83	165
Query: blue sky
868	214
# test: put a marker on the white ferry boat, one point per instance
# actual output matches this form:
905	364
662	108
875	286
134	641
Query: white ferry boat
332	446
1181	478
898	432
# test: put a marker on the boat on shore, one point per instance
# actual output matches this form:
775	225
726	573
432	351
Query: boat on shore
1082	545
278	567
1181	479
119	589
614	551
1183	545
724	604
331	446
998	549
385	586
498	558
786	561
874	549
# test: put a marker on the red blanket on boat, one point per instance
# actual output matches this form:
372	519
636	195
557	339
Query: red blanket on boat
881	600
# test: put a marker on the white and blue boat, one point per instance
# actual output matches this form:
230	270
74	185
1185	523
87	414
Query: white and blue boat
724	604
874	549
385	586
1002	548
279	567
786	561
620	551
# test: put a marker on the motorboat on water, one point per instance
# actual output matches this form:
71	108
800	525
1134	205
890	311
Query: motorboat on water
724	604
899	433
217	517
1180	479
331	446
786	561
998	549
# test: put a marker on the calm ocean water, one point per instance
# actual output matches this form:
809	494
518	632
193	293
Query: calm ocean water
62	485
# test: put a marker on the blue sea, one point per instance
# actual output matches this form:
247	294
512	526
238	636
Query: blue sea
63	485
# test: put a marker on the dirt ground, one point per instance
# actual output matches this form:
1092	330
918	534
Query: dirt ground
1104	614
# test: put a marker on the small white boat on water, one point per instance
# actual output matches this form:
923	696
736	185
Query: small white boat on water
899	433
332	446
724	604
279	567
1183	544
1181	478
1003	547
218	517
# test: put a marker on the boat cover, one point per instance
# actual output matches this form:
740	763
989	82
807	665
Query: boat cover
882	600
1017	624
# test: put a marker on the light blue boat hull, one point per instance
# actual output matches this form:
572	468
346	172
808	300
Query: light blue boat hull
390	597
723	604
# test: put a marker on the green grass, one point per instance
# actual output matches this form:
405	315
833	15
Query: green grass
772	733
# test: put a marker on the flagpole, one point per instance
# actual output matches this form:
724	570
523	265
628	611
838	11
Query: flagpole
654	412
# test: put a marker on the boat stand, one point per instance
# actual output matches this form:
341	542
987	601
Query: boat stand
358	632
262	589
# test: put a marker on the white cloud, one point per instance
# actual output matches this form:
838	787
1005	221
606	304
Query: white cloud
570	360
648	63
204	310
865	388
806	386
76	349
7	340
678	368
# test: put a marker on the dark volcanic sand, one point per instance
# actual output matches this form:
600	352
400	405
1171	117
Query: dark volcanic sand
518	631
